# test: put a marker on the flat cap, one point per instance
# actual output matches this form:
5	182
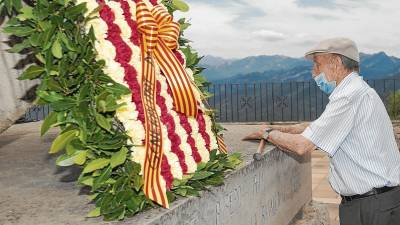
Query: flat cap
341	46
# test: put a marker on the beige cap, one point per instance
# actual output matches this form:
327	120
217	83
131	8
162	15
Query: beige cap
341	46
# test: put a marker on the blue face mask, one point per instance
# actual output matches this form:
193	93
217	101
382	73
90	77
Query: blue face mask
325	85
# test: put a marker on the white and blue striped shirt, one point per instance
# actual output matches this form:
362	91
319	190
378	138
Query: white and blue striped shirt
356	132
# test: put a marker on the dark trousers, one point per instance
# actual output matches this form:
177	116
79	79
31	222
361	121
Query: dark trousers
381	209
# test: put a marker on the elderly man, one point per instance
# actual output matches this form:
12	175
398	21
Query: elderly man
357	134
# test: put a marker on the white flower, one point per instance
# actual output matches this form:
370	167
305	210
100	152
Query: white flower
199	141
132	9
179	130
189	72
173	160
120	19
184	58
213	138
105	49
148	3
135	131
99	27
138	156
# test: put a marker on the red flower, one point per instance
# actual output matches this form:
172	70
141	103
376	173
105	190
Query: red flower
185	124
179	56
123	56
202	129
169	122
166	172
154	2
135	35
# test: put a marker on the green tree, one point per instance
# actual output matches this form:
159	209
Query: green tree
393	105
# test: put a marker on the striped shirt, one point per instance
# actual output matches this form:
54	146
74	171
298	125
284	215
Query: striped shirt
356	132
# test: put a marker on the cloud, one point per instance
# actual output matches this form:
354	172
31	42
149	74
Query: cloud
239	28
269	35
316	3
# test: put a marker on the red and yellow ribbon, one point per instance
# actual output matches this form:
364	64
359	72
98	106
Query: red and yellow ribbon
159	37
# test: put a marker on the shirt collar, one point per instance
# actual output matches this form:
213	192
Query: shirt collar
343	84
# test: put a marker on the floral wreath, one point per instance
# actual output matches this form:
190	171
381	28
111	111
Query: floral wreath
106	68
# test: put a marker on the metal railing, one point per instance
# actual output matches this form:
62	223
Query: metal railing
264	101
285	101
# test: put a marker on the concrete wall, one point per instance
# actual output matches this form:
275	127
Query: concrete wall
35	191
268	192
14	95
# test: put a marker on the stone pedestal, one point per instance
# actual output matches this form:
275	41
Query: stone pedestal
34	191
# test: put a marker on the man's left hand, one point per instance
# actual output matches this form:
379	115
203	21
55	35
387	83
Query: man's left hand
254	135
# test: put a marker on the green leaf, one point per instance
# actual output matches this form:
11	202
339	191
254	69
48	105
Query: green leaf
25	13
183	24
201	166
118	89
111	144
201	175
48	122
93	196
61	140
88	180
213	155
73	12
100	180
9	6
96	164
94	213
77	144
49	96
170	196
119	157
80	157
20	46
47	35
20	31
32	72
17	4
34	40
181	191
192	192
180	5
68	43
103	122
40	57
101	106
215	180
65	160
137	182
64	104
13	22
56	49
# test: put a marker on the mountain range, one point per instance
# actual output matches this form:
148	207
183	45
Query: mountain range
278	68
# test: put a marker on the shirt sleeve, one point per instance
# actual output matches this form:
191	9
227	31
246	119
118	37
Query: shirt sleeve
332	127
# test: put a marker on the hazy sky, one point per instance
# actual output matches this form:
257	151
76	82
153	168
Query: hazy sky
239	28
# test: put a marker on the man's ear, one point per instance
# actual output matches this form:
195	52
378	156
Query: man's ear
334	63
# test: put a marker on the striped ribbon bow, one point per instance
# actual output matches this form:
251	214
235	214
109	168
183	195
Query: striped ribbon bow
159	37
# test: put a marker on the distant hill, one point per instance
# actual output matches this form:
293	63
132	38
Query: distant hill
278	68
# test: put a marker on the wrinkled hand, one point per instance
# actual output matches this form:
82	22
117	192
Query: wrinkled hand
256	135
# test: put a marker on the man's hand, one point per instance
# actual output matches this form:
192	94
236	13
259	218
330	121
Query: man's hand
291	142
256	135
291	129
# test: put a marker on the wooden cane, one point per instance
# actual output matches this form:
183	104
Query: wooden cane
260	150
